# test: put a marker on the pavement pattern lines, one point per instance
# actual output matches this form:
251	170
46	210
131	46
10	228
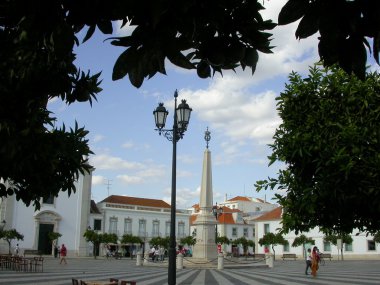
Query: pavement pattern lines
284	273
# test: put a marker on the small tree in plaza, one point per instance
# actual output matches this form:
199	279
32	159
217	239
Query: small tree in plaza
189	240
54	236
273	240
333	238
10	235
127	238
223	240
376	237
95	238
302	240
245	243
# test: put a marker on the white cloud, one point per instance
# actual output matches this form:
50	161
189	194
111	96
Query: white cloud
98	180
98	138
188	159
185	197
104	161
128	144
127	179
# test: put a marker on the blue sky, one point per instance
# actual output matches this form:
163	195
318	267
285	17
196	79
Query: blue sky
239	109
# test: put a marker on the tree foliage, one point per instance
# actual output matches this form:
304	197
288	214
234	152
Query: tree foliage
189	240
37	39
10	235
273	240
222	240
343	27
245	243
329	140
159	241
97	238
333	238
376	237
302	240
54	236
127	238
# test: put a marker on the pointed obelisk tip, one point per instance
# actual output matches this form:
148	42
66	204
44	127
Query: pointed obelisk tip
207	137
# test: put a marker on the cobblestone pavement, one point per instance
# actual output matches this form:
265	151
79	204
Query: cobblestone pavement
284	272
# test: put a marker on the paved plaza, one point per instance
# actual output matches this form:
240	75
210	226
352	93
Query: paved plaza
284	272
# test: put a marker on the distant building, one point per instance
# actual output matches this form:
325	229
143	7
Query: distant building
235	219
362	247
142	217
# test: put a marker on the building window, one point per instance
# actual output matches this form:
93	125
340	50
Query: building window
286	247
371	245
253	232
48	200
245	232
128	226
266	228
348	246
97	225
258	209
181	229
234	232
167	229
142	228
113	226
156	228
326	246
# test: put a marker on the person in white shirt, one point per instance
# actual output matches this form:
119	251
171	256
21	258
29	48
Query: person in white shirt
308	260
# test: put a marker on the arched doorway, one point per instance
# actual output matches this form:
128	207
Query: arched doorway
46	222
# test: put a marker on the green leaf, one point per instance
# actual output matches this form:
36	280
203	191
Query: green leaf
124	63
177	58
105	27
308	25
292	11
136	76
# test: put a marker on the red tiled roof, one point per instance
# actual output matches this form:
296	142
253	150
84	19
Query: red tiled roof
275	214
226	218
93	208
115	199
192	219
240	198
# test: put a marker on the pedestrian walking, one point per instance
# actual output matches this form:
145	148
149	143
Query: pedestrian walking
308	260
63	254
314	261
17	250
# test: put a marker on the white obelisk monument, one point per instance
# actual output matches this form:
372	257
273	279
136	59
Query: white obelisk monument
205	247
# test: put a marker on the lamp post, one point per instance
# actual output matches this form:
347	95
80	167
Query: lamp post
217	211
181	120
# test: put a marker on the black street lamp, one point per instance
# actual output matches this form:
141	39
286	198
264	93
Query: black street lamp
181	120
217	211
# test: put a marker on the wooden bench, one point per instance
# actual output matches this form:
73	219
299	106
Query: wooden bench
326	255
289	255
32	252
258	255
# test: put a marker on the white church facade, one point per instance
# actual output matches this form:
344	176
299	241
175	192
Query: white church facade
66	215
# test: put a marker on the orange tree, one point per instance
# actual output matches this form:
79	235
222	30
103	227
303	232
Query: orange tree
40	159
329	142
10	235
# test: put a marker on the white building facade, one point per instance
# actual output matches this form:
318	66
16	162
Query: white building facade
362	247
142	217
67	215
